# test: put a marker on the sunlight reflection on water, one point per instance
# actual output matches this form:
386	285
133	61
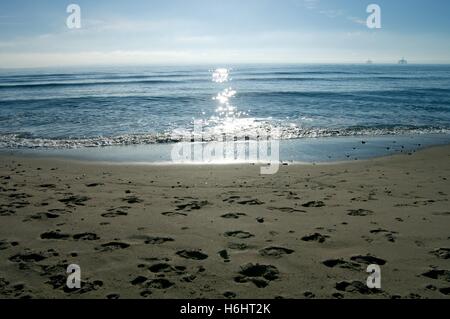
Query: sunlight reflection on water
228	120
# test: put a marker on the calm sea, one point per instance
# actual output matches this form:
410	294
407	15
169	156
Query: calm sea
75	108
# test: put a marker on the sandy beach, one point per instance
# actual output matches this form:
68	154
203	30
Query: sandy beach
308	231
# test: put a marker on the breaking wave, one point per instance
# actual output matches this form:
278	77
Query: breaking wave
256	130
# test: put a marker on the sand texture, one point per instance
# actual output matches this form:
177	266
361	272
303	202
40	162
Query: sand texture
226	231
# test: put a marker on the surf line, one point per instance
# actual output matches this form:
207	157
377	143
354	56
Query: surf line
192	309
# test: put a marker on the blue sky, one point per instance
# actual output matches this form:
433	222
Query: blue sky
34	33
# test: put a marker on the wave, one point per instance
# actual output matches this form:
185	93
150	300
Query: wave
334	79
91	83
289	73
264	129
344	94
91	76
65	102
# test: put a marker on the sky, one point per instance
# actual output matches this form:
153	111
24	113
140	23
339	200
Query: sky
113	32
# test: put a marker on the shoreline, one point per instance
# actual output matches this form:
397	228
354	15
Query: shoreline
225	231
318	151
41	156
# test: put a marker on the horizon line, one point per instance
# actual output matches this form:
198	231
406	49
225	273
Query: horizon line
220	63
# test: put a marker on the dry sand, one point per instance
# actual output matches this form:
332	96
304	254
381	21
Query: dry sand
225	231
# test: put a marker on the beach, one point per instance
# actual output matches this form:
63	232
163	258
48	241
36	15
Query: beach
225	231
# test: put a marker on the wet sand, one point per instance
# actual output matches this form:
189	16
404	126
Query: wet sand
308	231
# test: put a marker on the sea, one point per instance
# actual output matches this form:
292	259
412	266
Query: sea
317	113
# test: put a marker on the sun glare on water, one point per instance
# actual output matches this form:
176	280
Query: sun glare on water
220	75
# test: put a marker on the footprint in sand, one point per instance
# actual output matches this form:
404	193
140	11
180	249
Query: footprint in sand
20	204
438	274
4	244
115	212
309	295
17	290
360	212
94	184
192	254
237	246
86	236
167	268
59	211
251	202
289	210
224	255
229	294
246	201
315	204
6	211
231	199
276	252
77	200
442	253
173	214
28	257
159	283
259	275
113	246
424	202
41	216
86	286
233	215
316	237
368	260
442	214
54	235
189	278
52	186
146	293
239	234
355	287
331	263
132	200
355	262
192	205
389	235
138	280
20	196
152	240
157	240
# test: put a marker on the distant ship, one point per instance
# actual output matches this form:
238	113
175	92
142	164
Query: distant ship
369	62
403	61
